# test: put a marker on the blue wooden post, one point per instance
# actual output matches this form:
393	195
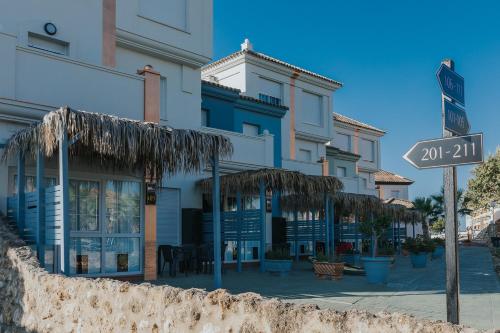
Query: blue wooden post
216	222
372	245
296	234
356	236
239	229
327	225
40	188
21	199
399	238
413	228
64	183
313	224
262	252
332	209
393	235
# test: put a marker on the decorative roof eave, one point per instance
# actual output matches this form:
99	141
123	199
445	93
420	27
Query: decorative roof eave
277	180
292	68
350	123
339	153
120	143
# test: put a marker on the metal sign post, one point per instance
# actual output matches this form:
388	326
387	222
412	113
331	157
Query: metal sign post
447	153
450	204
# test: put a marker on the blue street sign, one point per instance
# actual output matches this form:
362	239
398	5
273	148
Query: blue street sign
455	119
452	84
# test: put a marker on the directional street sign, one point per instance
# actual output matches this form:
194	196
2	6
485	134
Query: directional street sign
445	152
452	84
455	119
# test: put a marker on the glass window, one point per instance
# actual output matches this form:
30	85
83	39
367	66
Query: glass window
84	205
305	155
250	203
341	171
312	108
85	255
204	118
121	255
251	130
395	193
343	141
364	182
123	207
368	150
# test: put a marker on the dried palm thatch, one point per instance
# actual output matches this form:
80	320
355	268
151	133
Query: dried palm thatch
280	180
302	203
120	143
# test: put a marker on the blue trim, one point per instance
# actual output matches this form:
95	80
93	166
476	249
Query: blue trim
40	187
262	254
239	221
313	233
64	183
327	225
21	198
216	223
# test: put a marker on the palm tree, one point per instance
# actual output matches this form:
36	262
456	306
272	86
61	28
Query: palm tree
426	208
438	205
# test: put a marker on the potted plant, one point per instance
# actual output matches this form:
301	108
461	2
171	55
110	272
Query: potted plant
376	267
278	262
439	248
387	251
331	267
419	249
407	245
348	253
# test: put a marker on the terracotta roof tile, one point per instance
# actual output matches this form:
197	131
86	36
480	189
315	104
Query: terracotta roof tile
383	176
346	120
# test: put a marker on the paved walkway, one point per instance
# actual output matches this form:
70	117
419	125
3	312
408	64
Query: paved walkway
419	292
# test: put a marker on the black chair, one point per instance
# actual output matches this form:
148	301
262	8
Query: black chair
165	252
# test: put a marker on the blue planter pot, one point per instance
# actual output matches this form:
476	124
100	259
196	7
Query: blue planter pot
376	268
352	259
438	252
419	260
280	267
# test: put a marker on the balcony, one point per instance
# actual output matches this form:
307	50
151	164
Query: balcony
249	151
308	168
51	80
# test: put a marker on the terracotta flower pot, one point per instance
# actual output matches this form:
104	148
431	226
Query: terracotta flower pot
329	270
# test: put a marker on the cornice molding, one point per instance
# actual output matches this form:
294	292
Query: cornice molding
164	51
311	137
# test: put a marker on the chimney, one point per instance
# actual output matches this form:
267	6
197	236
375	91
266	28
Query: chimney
247	46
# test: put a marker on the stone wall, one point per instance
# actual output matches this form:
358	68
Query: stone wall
41	302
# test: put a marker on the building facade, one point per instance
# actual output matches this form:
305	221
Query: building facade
308	125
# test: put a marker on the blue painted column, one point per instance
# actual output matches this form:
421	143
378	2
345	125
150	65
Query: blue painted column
313	224
64	183
40	188
372	245
356	240
413	228
394	235
239	221
296	234
21	198
399	238
262	252
216	222
332	209
327	225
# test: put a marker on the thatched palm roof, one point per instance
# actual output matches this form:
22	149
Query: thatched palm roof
120	143
280	180
349	203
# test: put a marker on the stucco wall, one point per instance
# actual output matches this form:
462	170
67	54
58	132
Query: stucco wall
38	301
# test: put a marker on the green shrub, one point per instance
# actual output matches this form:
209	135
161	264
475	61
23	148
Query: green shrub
419	245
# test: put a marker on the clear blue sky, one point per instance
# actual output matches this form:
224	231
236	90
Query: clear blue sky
386	53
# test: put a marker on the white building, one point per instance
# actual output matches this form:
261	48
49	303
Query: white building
392	186
361	139
308	125
125	58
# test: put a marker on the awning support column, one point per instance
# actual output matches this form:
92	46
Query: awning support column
332	209
40	187
21	199
356	218
64	183
262	193
399	237
216	222
296	234
313	225
327	225
239	221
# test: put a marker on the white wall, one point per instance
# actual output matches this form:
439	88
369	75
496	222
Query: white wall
387	189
